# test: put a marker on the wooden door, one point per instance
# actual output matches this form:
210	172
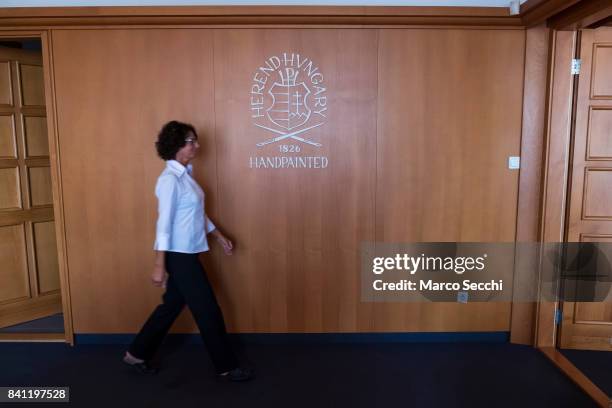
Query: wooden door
29	273
589	325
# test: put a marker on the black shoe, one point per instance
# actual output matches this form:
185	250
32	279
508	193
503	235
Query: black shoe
143	368
237	374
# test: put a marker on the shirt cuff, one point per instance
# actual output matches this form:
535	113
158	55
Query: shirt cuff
210	227
162	242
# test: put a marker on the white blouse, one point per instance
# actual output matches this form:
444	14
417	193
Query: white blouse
182	224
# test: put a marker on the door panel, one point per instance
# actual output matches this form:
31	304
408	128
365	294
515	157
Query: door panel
46	256
28	253
10	198
14	271
6	96
35	129
589	325
602	67
32	85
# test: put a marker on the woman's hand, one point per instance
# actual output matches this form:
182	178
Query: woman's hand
225	243
159	276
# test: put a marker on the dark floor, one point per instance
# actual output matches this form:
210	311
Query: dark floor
597	365
321	375
50	324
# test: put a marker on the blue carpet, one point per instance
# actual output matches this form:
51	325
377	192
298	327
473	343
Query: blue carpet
294	376
597	365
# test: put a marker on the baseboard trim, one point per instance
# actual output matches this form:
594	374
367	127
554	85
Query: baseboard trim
313	338
32	338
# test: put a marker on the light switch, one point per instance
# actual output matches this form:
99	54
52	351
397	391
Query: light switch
514	162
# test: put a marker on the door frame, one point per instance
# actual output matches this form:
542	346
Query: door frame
56	186
556	166
557	160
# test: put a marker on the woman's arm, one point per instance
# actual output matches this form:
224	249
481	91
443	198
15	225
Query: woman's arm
159	276
221	239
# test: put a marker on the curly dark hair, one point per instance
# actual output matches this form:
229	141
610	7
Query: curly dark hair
171	138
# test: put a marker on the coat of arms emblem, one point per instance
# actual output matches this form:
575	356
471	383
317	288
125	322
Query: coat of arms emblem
288	98
289	107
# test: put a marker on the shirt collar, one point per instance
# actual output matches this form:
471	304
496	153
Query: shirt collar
177	168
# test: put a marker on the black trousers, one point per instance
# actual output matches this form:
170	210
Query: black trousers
187	284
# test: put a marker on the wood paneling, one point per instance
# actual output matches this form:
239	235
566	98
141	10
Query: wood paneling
599	142
6	95
556	163
130	83
297	267
33	215
420	127
537	53
46	257
14	271
8	145
590	178
250	11
588	313
29	186
10	192
32	337
32	85
534	12
58	200
597	193
601	85
558	139
589	325
40	186
449	115
583	14
36	136
443	105
256	15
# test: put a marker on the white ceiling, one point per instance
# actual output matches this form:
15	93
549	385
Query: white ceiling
81	3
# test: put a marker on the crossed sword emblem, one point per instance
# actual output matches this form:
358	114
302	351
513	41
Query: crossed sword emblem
292	135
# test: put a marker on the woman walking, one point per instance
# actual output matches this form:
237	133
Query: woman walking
182	229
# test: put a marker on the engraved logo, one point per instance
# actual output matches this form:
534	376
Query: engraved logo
288	98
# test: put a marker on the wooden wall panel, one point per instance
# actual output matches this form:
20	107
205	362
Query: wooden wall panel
111	103
556	166
296	266
601	86
46	257
37	142
6	95
14	271
39	181
599	143
418	134
449	115
10	195
32	85
537	52
597	194
8	142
